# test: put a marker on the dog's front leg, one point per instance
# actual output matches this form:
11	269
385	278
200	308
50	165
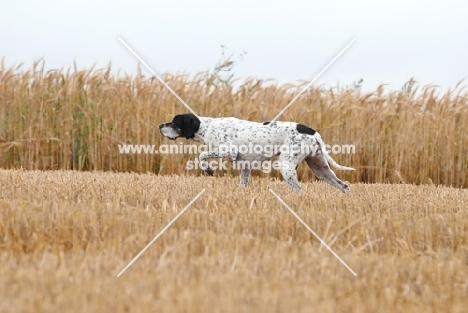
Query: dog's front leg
244	179
209	155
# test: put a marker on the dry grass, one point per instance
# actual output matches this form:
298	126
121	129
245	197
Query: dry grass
75	120
65	235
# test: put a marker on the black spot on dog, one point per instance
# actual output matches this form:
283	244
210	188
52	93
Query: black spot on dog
187	123
305	130
266	123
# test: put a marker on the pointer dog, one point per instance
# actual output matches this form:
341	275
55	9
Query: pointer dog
233	132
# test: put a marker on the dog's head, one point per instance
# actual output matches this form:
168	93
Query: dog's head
182	125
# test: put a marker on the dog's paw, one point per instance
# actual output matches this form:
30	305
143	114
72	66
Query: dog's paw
345	188
209	171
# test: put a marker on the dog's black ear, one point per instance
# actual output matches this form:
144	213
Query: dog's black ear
188	124
191	126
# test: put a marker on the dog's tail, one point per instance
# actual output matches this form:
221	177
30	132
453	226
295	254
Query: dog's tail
329	158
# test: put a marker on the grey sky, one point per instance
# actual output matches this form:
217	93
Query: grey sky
285	40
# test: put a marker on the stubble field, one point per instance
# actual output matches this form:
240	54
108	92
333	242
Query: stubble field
74	211
65	235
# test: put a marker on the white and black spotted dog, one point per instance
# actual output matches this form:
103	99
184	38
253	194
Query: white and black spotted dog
231	131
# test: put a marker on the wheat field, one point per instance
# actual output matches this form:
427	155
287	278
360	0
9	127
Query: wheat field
65	235
75	119
74	211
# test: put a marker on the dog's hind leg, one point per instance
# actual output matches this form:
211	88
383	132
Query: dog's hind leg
319	165
288	170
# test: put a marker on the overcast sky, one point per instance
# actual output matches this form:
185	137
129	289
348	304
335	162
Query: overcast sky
285	40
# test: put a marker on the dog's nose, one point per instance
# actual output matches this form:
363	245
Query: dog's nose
160	126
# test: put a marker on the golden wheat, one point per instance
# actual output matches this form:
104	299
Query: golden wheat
76	119
65	235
